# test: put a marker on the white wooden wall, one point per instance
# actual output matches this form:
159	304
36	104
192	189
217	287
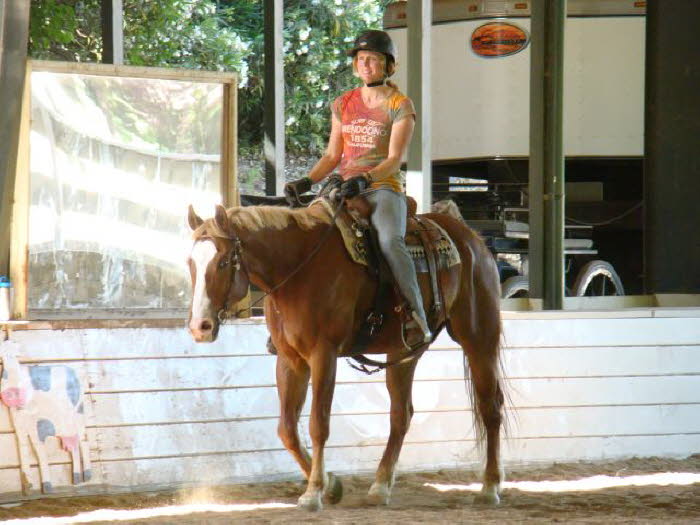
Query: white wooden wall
163	410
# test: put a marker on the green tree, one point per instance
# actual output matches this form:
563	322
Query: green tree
317	34
66	30
225	35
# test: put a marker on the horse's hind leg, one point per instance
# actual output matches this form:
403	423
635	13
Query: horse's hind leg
292	383
399	380
481	347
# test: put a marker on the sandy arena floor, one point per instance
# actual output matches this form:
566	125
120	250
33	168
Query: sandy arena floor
416	502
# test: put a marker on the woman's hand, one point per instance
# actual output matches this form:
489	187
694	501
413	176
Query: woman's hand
293	189
353	187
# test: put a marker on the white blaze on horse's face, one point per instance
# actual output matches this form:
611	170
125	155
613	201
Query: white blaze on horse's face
203	318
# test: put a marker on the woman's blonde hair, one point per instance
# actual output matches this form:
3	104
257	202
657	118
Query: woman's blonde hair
389	69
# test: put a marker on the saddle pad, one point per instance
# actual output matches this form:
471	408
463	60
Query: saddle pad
354	241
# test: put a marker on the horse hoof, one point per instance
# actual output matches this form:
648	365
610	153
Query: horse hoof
379	494
334	490
488	497
77	478
87	475
310	502
46	487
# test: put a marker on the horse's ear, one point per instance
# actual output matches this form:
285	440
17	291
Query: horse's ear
193	219
221	219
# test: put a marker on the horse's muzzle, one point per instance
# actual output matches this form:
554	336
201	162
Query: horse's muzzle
204	330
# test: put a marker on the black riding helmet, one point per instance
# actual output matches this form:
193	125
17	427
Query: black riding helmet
374	40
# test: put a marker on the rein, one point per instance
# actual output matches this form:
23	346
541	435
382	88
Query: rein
310	256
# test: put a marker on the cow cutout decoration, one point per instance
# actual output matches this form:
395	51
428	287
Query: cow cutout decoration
44	401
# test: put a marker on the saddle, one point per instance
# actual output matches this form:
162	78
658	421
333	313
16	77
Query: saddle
430	248
423	236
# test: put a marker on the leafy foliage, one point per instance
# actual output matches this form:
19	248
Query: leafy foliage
225	35
65	30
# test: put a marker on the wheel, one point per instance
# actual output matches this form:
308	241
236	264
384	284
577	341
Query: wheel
596	279
516	286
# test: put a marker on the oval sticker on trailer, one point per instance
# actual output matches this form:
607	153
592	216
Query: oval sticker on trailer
499	39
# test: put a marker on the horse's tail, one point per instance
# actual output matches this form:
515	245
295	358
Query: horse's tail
502	397
487	393
474	322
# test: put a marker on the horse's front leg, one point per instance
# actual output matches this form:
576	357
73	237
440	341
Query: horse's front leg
399	380
323	367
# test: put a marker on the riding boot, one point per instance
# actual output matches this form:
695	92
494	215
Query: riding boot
422	325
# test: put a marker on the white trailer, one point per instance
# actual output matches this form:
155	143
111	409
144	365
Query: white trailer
480	68
480	105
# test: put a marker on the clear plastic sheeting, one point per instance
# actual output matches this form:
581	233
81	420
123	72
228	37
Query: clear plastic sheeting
114	164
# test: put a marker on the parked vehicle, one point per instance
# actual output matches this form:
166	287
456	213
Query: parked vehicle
480	72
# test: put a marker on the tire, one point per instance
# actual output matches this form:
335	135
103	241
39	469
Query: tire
515	286
600	274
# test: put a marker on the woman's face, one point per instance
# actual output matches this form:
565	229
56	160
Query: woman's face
370	66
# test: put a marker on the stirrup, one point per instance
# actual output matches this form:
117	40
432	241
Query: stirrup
422	327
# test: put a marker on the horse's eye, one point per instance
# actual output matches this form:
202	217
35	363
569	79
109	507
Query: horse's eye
222	263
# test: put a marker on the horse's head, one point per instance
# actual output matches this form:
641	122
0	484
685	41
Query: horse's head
218	277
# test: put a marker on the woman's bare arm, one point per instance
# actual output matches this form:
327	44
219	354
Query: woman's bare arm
401	134
331	158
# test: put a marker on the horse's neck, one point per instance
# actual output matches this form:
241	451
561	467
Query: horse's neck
271	255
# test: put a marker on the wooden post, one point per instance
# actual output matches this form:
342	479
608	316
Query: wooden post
112	32
14	29
671	138
546	171
19	236
273	141
419	177
229	164
229	144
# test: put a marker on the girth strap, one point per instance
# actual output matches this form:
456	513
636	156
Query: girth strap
375	319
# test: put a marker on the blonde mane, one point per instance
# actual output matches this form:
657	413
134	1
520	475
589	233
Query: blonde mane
256	218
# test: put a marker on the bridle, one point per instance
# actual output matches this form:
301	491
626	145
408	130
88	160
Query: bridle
235	260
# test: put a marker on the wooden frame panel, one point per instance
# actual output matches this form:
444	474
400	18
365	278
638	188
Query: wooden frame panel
19	250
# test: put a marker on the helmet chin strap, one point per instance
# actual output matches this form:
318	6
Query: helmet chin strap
378	83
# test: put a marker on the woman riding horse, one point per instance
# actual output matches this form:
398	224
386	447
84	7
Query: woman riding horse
314	318
371	128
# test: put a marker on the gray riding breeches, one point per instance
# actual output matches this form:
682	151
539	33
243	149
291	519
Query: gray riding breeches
389	219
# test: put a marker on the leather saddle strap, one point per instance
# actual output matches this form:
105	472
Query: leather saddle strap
375	318
431	258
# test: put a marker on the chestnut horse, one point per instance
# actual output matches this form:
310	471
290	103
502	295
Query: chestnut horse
313	317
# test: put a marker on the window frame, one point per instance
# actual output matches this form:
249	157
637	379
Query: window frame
19	247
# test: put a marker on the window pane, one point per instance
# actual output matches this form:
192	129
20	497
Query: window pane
114	164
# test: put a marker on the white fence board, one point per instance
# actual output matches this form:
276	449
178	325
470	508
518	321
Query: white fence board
278	464
163	410
353	399
147	441
531	333
180	373
242	338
